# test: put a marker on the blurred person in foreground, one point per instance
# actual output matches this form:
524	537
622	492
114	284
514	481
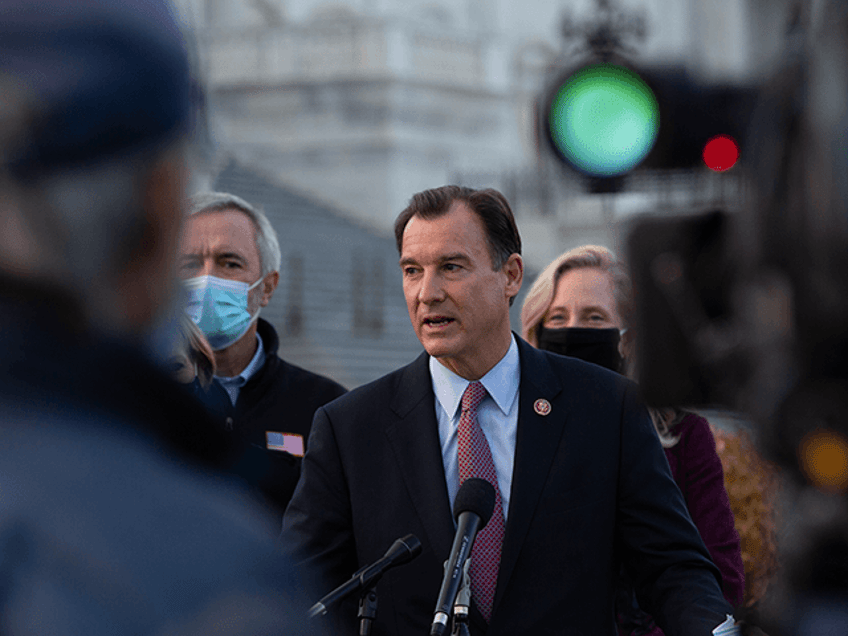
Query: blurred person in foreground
581	483
579	306
230	265
111	518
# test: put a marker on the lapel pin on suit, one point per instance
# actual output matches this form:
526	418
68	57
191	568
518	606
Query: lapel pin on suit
542	406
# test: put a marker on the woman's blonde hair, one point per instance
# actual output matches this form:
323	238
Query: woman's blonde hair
198	350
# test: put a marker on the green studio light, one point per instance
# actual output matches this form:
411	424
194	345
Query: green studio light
603	120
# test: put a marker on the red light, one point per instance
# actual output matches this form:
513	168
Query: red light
721	153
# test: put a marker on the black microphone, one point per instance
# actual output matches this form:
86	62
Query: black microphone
401	551
472	509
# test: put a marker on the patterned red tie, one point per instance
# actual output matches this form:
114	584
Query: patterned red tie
475	460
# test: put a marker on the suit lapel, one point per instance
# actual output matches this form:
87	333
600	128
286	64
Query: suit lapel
413	436
537	441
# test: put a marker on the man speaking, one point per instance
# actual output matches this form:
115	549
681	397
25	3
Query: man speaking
581	482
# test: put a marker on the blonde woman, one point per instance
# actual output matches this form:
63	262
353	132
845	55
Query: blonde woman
580	305
193	359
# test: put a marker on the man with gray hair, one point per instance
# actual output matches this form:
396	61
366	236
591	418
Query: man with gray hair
106	525
229	263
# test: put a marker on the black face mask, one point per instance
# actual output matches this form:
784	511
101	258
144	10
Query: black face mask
599	346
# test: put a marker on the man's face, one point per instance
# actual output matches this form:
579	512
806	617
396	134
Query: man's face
458	305
583	297
223	244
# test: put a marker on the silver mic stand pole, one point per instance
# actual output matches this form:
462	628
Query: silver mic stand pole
462	604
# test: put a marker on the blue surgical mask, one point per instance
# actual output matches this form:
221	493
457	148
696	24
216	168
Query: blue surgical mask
219	307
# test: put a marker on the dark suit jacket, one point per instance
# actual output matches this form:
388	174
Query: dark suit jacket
591	487
281	397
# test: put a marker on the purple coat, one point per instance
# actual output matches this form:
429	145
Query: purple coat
697	470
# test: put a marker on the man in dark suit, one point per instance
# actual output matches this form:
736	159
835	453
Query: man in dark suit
582	483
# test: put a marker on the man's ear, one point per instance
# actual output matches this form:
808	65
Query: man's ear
268	286
514	270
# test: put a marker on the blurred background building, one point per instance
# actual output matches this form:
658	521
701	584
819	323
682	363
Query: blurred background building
331	114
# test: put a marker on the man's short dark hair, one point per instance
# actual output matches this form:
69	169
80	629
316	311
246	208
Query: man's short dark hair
489	204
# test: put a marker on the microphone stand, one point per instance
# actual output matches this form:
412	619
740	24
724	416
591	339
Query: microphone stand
367	609
462	604
365	581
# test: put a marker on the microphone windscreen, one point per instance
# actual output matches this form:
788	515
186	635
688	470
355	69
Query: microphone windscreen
476	496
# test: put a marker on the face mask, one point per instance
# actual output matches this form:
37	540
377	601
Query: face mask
219	308
599	346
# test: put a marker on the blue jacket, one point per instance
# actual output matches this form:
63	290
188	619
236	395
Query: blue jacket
113	519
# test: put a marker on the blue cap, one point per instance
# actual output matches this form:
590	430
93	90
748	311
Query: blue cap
105	76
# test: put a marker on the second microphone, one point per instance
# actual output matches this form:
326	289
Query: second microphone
472	510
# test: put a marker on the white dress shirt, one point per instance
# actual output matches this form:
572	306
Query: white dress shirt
497	415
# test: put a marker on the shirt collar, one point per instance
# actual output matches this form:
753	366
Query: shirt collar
252	367
501	382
